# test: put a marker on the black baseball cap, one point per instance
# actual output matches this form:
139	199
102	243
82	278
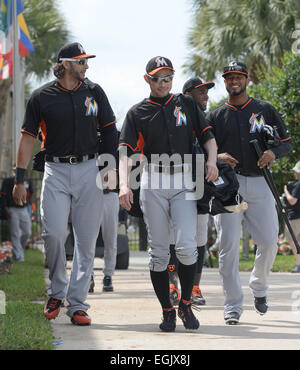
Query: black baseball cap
235	67
157	63
73	51
194	83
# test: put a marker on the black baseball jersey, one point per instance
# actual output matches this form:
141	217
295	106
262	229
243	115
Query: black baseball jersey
235	126
293	212
7	188
164	126
69	119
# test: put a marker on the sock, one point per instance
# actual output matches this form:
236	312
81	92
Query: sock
160	282
186	274
200	260
172	267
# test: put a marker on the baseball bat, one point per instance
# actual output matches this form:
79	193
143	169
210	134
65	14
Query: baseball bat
269	179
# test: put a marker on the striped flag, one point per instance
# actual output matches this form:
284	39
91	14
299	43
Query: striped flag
6	36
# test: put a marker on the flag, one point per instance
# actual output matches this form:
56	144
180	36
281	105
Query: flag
6	36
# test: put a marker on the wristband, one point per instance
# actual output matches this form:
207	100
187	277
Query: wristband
20	175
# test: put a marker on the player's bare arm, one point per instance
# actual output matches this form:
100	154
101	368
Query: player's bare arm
227	158
267	158
125	194
211	170
25	148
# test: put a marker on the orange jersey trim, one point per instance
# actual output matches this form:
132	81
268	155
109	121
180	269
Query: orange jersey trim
28	133
44	133
160	105
206	128
288	138
171	97
246	103
66	90
153	102
140	144
110	123
231	106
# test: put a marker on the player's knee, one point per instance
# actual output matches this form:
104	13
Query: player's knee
159	263
187	256
267	241
55	237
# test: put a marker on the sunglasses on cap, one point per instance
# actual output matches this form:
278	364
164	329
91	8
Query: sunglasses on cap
235	68
168	78
81	62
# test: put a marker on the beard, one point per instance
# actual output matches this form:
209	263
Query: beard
236	93
75	74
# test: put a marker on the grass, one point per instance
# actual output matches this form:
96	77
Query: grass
283	263
23	326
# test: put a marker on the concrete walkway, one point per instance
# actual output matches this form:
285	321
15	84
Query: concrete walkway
128	318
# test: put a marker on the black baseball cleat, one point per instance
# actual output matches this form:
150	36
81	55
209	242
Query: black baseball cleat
186	314
261	305
232	318
169	320
107	284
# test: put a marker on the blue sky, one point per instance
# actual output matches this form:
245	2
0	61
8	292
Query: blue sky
124	35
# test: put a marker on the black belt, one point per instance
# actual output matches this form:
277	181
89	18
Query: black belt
249	174
71	159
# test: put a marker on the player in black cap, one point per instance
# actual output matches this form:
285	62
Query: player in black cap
164	125
198	89
69	111
236	123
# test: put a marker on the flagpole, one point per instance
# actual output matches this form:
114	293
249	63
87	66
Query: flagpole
17	103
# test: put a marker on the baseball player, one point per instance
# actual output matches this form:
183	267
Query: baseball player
235	123
19	218
109	230
198	90
164	124
68	111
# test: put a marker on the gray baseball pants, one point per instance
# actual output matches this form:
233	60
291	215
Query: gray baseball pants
262	223
20	230
71	188
109	228
160	206
202	227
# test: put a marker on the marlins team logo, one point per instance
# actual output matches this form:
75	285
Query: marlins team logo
92	107
160	62
180	116
257	122
80	47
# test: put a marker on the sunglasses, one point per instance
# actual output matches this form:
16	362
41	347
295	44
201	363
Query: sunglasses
81	62
168	78
235	68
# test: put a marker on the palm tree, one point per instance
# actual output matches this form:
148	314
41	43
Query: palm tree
257	32
48	32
